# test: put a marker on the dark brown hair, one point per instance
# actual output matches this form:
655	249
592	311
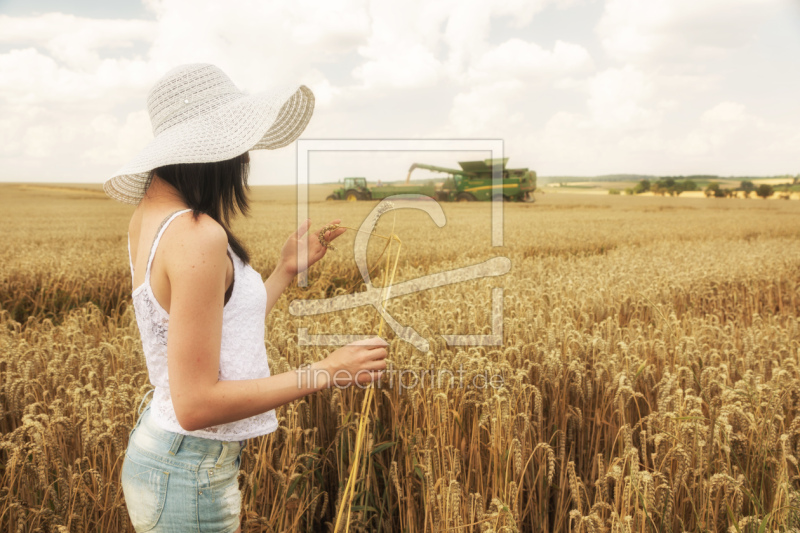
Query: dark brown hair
217	189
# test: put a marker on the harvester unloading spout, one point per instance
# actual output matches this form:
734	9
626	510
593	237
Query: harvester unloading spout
433	168
410	170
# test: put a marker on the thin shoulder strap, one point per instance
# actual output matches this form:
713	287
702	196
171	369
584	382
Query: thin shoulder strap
159	233
130	260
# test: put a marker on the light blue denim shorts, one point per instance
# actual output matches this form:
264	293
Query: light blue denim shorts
174	482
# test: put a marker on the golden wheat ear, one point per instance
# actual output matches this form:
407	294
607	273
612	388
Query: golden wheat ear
322	240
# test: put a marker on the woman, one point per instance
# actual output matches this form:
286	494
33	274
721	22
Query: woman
201	307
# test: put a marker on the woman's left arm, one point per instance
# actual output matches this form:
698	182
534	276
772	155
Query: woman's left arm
288	267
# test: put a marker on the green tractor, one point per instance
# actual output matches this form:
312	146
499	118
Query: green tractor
354	189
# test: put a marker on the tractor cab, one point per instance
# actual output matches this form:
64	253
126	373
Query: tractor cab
355	183
352	190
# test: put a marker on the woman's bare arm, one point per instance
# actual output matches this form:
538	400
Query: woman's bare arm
299	244
196	260
276	283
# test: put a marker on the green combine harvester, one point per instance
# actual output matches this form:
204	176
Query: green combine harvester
473	182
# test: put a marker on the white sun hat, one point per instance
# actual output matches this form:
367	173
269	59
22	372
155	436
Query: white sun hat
199	116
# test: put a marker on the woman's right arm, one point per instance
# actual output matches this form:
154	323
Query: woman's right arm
196	262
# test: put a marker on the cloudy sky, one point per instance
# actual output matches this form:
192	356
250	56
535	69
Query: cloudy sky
573	87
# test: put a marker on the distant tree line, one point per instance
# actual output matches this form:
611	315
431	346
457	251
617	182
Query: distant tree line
674	186
663	186
746	187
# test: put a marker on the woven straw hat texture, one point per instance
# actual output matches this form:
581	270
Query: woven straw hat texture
199	116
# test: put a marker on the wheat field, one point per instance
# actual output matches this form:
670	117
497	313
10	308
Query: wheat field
650	370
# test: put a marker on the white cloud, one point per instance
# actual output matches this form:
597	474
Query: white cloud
419	44
726	112
324	90
485	111
528	61
400	66
619	98
662	105
257	43
719	127
679	30
650	94
401	48
31	77
112	139
68	84
725	132
465	34
74	41
501	83
521	12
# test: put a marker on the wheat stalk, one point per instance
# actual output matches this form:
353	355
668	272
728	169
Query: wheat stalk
347	497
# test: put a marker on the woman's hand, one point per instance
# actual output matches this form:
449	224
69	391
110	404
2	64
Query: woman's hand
301	241
360	362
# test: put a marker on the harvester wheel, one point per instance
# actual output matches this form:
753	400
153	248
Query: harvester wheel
330	197
352	196
465	197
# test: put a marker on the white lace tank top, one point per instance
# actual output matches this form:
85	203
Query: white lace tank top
243	354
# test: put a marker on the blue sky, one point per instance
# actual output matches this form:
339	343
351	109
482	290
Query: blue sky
573	87
83	8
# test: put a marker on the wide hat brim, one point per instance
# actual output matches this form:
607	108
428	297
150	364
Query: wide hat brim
267	120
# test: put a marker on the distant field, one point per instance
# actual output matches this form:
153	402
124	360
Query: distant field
599	184
602	187
648	370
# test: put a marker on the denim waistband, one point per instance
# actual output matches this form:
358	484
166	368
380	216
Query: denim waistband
177	441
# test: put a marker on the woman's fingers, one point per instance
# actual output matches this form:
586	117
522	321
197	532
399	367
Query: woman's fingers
332	234
335	233
363	377
303	228
369	377
377	364
373	342
373	348
377	354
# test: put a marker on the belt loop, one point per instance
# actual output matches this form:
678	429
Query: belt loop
143	398
223	454
176	443
139	416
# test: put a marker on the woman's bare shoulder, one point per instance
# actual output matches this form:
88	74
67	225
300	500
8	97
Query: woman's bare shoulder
192	236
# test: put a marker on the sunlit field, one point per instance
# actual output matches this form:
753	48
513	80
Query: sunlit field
649	376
